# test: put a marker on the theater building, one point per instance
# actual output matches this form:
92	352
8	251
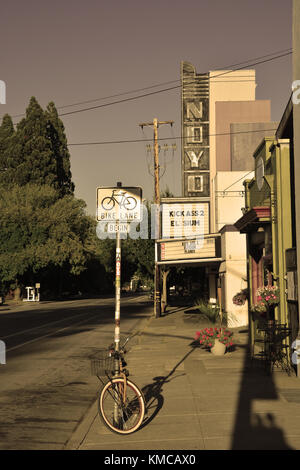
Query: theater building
222	123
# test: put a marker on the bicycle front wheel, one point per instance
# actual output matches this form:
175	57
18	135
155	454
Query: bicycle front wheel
121	411
130	203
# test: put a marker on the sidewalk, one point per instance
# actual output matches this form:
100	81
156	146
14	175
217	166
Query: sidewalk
198	401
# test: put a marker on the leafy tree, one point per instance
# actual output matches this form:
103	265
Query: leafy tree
41	231
45	235
140	251
137	255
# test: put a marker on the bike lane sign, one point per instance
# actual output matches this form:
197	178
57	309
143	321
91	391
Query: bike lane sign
119	204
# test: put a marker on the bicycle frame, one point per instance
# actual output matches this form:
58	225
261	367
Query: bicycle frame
113	196
126	399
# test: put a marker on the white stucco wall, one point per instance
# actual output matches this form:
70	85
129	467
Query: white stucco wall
234	269
229	202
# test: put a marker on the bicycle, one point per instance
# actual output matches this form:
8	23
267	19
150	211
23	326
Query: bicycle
121	404
128	202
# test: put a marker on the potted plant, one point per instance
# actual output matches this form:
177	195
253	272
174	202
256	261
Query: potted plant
267	299
216	339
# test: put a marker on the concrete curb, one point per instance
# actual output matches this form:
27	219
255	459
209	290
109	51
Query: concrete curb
82	428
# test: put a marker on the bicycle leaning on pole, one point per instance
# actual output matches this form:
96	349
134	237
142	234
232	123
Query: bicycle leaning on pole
121	403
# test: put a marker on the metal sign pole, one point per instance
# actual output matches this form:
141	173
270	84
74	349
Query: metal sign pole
118	288
118	291
118	206
117	308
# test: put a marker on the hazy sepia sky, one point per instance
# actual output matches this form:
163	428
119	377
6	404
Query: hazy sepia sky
71	51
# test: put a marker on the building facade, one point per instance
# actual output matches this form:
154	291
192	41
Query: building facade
267	223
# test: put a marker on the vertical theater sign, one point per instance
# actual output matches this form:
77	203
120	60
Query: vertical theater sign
195	246
195	133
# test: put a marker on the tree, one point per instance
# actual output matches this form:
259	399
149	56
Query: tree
37	151
6	133
36	163
31	157
56	133
40	231
141	251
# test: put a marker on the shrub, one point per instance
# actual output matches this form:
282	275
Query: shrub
209	311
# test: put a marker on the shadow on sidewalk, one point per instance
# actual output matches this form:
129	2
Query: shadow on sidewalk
261	430
154	399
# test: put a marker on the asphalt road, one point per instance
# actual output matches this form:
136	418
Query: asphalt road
46	385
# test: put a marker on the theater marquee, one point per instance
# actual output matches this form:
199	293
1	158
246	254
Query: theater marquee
186	219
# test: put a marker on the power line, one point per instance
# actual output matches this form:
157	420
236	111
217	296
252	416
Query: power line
164	83
257	58
127	93
173	138
250	65
232	184
107	142
167	89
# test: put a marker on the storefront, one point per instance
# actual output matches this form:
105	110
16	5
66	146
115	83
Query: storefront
267	222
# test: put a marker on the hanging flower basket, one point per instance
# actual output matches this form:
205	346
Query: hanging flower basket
268	298
241	297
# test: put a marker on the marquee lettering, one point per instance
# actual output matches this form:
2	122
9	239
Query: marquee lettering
194	157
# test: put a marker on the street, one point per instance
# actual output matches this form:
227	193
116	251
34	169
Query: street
46	384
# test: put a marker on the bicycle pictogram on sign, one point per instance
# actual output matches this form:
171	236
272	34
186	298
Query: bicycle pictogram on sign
128	202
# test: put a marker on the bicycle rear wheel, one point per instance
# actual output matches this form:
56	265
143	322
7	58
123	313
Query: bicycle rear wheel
108	203
122	414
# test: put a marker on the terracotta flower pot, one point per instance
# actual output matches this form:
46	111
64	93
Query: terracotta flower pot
218	348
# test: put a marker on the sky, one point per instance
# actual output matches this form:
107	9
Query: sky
69	51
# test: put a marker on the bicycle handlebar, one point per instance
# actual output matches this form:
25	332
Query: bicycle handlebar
121	350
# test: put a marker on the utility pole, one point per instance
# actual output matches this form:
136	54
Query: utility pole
156	123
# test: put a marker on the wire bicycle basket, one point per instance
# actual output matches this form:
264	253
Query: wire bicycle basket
103	364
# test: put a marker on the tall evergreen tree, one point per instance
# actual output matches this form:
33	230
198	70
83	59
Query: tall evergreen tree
6	133
37	151
57	136
32	158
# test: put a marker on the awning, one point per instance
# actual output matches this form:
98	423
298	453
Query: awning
252	218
